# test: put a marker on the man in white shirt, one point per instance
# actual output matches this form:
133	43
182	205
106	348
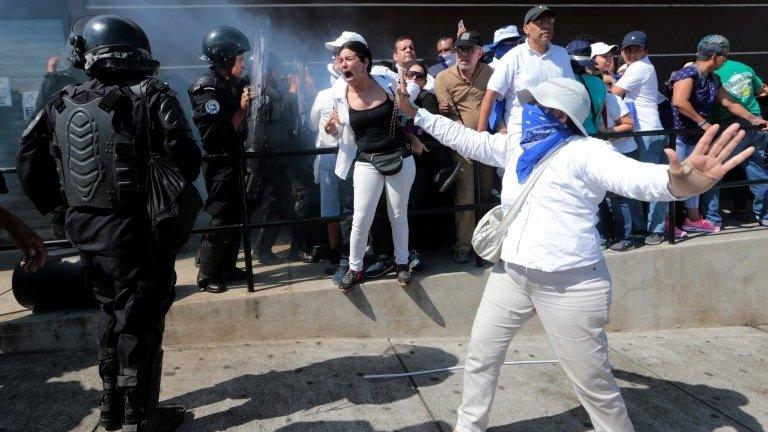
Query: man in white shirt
404	55
639	88
527	65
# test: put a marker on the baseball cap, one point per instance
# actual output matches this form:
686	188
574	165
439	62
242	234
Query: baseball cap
469	39
600	48
345	37
535	12
502	34
581	52
635	38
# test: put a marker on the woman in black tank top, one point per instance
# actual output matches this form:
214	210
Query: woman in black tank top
374	120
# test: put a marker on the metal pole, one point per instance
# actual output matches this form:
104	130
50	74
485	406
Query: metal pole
672	212
476	168
244	222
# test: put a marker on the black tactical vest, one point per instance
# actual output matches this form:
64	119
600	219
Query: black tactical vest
98	166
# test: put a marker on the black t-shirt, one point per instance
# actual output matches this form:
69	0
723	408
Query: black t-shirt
373	127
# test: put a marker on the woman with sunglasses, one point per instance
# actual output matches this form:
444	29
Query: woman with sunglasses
551	262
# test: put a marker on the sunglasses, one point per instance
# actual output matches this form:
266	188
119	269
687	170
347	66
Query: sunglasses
415	75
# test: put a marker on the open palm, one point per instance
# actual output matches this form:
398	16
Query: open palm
712	159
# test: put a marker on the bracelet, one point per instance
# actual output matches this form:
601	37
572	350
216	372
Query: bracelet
701	123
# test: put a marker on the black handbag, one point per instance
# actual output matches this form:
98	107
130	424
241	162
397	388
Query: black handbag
172	203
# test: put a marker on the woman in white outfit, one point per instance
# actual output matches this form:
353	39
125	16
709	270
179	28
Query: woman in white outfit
368	123
551	261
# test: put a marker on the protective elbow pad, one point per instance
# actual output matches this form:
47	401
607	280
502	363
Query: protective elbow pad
688	181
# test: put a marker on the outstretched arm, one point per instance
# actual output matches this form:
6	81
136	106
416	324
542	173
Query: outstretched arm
30	244
480	146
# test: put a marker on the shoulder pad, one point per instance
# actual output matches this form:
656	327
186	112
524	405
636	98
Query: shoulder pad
205	81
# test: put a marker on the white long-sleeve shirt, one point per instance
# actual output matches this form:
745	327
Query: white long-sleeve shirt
555	229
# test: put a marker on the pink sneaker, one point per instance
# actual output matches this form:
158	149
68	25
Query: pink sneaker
701	225
679	234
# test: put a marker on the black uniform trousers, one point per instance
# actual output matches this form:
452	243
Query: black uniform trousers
134	290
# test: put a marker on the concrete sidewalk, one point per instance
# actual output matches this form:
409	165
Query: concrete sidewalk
675	380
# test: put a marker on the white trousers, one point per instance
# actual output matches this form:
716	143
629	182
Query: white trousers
573	307
368	184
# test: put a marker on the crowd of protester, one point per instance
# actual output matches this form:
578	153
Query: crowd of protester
386	165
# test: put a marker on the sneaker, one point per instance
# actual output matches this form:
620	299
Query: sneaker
604	243
622	246
654	239
350	279
461	255
679	234
403	274
380	267
701	225
339	275
267	258
414	262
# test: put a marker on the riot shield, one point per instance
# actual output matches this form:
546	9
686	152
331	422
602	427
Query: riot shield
257	120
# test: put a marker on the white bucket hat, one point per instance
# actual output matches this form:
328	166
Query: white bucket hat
564	94
345	37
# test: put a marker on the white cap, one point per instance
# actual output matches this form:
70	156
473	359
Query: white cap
600	48
345	37
565	94
507	32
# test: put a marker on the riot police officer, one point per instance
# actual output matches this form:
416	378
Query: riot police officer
285	181
53	81
90	149
220	101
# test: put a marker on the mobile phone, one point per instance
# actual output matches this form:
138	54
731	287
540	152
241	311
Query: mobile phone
460	24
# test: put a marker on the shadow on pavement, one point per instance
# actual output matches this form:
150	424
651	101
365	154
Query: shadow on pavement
650	411
44	392
336	382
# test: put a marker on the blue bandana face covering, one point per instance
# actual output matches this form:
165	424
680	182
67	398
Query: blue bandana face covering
542	132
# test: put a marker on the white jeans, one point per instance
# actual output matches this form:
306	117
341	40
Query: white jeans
368	184
573	307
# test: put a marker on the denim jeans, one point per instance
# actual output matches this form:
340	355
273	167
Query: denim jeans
627	213
651	149
683	151
755	169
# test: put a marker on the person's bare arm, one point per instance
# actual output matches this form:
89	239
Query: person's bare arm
681	93
736	109
618	91
30	244
489	100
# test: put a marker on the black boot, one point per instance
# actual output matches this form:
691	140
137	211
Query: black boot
141	399
212	261
111	404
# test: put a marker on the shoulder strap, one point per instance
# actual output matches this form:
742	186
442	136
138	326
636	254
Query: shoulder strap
514	209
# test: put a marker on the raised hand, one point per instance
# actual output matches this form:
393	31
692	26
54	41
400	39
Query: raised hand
403	99
710	159
331	126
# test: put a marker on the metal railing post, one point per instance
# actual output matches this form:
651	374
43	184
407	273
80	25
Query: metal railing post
672	212
245	223
476	168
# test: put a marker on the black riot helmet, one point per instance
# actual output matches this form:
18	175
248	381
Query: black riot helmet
112	44
76	41
222	45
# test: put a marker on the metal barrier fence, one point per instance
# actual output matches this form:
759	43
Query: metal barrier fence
245	226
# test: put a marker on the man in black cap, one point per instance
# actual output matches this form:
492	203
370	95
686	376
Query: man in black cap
527	65
460	90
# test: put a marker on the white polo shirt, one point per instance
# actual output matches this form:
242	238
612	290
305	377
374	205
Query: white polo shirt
523	68
641	87
615	109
